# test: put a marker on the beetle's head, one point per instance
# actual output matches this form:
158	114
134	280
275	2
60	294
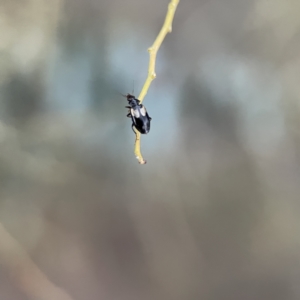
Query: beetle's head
130	97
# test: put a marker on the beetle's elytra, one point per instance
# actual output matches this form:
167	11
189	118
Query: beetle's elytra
138	114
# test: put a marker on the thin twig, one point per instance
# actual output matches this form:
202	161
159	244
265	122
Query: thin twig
166	28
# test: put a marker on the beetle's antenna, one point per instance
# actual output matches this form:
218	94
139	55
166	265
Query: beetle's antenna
121	94
133	88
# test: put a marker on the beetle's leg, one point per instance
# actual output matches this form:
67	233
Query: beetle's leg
129	115
149	117
128	107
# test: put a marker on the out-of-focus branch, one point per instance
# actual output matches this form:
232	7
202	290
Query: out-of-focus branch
166	28
24	272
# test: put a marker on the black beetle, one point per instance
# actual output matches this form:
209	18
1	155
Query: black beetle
138	114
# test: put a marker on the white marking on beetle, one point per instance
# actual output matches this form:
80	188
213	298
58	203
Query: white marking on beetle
143	111
135	113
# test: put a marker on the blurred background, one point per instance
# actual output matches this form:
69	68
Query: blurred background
214	215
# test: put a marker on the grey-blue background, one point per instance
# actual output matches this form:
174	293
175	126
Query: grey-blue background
214	215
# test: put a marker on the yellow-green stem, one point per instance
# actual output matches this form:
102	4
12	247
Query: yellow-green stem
166	28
